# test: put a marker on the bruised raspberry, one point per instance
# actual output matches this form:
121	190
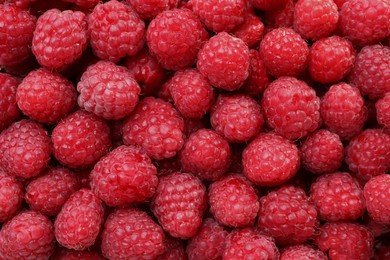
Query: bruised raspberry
9	111
376	193
382	110
250	31
11	194
149	9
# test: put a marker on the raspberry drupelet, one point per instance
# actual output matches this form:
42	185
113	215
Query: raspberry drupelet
11	194
9	111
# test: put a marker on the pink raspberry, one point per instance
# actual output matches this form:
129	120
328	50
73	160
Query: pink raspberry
302	252
180	213
11	194
149	9
257	80
250	31
206	154
382	107
126	175
283	17
284	52
156	126
23	4
175	37
174	250
80	139
88	4
270	160
25	149
331	59
28	235
376	193
108	90
224	60
116	31
46	96
131	234
67	254
269	5
8	106
233	201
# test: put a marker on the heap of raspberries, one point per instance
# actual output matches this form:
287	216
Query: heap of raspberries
195	129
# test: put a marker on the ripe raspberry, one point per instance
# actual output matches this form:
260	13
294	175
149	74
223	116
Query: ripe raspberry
339	3
269	5
206	154
87	4
25	149
67	254
283	17
322	152
116	31
175	37
365	22
209	243
174	250
126	175
257	80
284	52
238	118
155	126
233	201
302	252
11	194
28	235
377	192
131	234
191	93
149	9
331	59
50	191
250	31
359	245
224	60
369	73
46	96
382	111
9	111
80	139
343	110
23	4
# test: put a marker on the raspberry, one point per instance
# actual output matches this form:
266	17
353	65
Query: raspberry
224	60
369	72
174	250
9	111
126	175
175	37
60	38
365	21
80	139
270	160
250	31
108	90
131	234
149	9
28	235
343	110
269	5
18	3
283	17
49	192
339	3
322	152
302	252
233	201
88	4
284	52
206	154
155	126
46	96
257	80
209	243
368	154
11	194
25	149
16	34
191	93
67	254
287	215
116	31
376	193
359	245
331	59
382	110
180	213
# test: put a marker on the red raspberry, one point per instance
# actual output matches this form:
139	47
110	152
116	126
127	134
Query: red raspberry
284	52
131	234
322	152
80	139
287	215
9	111
302	252
23	4
206	154
28	235
331	59
250	31
46	96
283	17
270	160
175	37
174	250
108	90
382	110
332	239
50	191
224	60
67	254
369	72
25	149
209	243
11	194
16	34
365	21
126	175
269	5
149	9
248	243
377	229
343	110
257	80
339	3
155	126
116	31
191	93
180	213
233	201
377	192
88	4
